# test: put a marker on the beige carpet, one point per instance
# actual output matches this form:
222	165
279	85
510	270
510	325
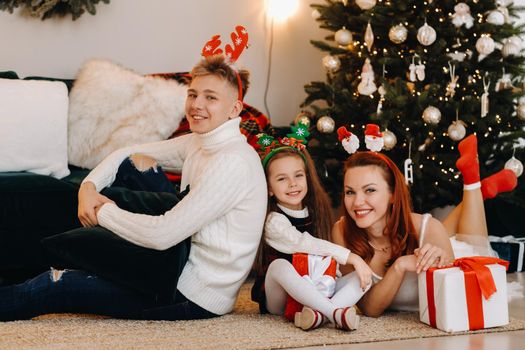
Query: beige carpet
244	329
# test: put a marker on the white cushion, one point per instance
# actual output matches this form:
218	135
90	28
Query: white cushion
111	107
33	127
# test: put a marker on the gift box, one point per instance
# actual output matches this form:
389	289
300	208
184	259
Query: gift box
511	249
470	294
320	271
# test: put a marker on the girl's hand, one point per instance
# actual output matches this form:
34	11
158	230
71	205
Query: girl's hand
428	256
364	272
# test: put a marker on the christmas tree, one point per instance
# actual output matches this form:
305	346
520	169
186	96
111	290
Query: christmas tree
428	73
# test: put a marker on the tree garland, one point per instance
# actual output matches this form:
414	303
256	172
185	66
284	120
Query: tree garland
44	9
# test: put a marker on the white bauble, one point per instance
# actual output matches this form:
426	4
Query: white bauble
426	35
365	4
325	124
520	111
485	45
398	34
496	17
331	63
457	130
389	139
515	165
343	36
511	46
431	115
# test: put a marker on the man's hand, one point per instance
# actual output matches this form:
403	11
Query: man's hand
89	202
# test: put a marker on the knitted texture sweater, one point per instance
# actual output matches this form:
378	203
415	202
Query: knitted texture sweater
223	212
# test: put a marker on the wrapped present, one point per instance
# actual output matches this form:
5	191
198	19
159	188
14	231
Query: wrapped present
319	271
511	249
470	294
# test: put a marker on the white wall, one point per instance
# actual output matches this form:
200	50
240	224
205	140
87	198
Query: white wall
167	36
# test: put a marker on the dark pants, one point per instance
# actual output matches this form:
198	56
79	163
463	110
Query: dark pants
77	291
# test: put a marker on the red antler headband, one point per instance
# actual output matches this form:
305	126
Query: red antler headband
240	42
373	139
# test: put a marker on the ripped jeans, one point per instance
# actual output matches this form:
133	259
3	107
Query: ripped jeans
76	291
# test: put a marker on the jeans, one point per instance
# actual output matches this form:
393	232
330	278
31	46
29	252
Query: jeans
77	291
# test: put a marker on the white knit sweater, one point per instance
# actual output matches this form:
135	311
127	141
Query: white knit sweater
280	234
223	212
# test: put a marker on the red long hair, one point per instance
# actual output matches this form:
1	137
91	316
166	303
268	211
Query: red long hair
399	226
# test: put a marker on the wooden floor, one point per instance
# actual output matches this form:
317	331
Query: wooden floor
487	341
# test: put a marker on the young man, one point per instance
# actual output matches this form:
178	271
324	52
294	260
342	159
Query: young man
223	213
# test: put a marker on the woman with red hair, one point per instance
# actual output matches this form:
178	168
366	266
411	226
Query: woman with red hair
379	225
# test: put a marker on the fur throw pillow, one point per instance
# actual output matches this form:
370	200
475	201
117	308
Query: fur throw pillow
111	107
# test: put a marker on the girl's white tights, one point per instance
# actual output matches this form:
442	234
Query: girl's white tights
282	280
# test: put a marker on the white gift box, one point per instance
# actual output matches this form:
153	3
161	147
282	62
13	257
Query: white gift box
449	303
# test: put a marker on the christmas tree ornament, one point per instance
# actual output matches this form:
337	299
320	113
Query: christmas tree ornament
462	16
520	110
485	98
457	130
389	139
420	71
504	82
426	35
303	118
365	4
409	167
373	138
367	85
485	46
369	37
382	93
515	165
451	86
496	17
412	70
398	34
511	46
316	14
431	115
349	141
343	36
331	63
325	124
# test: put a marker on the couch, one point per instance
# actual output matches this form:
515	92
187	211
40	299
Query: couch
34	206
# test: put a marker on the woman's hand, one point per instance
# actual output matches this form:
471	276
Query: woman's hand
364	272
406	263
429	255
89	202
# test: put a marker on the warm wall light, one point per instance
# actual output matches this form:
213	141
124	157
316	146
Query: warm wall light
280	10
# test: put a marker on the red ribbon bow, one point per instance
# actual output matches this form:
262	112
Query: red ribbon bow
478	281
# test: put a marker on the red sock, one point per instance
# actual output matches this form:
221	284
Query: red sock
503	181
468	162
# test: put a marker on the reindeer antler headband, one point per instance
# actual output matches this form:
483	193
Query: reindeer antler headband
240	42
373	139
295	141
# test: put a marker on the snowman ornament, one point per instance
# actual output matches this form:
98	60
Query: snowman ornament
462	16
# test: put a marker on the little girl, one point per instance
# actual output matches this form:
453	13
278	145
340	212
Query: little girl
299	221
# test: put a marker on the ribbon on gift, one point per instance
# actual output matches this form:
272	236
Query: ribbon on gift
318	270
478	282
512	239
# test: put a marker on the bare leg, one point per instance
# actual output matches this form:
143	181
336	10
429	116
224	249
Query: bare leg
472	219
452	220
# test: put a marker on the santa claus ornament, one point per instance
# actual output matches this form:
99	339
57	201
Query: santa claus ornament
367	86
373	138
349	141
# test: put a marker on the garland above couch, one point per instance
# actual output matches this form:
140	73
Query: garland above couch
44	9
